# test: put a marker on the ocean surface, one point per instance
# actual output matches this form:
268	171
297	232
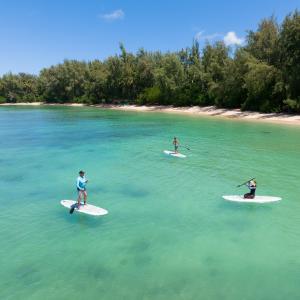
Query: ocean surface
169	234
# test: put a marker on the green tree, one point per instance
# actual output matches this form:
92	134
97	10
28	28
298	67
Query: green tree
145	70
19	88
264	43
95	87
264	91
215	63
290	54
169	77
64	82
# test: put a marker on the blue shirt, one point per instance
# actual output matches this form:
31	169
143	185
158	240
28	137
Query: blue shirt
81	183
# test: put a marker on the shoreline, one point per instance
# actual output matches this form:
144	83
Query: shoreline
211	111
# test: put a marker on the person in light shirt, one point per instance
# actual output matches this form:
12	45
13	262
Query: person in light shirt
81	188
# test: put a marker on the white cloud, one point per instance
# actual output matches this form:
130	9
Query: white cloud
199	36
231	39
115	15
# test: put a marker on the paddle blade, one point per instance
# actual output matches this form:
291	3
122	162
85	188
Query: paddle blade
72	208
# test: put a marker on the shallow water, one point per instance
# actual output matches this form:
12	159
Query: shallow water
168	234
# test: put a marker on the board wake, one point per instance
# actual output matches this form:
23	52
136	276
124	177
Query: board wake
86	209
257	199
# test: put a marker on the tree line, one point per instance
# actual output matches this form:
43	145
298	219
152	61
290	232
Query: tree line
263	75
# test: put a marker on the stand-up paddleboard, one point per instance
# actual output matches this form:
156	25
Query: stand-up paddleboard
172	153
256	199
86	209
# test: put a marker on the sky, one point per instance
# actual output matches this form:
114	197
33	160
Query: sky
35	34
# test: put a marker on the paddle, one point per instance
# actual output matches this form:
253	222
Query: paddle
245	182
73	207
185	147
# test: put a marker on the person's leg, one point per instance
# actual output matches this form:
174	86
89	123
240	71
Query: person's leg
79	199
85	197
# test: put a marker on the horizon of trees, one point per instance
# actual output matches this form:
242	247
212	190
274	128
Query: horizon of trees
263	75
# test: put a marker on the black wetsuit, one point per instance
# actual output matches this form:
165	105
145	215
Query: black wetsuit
252	191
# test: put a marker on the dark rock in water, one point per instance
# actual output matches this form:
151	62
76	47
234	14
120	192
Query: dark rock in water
27	274
14	178
142	260
134	192
139	246
98	272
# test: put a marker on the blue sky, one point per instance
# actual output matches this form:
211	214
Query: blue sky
39	33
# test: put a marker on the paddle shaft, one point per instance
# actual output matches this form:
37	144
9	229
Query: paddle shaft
245	182
185	147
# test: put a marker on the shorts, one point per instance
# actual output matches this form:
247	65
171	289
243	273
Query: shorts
81	193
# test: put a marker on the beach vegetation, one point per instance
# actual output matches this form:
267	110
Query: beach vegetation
261	75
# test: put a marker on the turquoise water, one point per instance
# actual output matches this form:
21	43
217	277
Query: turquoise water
168	234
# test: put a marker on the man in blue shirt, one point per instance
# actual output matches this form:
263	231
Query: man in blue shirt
81	188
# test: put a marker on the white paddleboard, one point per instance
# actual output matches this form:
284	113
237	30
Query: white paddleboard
172	153
86	209
257	199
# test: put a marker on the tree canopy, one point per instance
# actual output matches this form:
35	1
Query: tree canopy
262	75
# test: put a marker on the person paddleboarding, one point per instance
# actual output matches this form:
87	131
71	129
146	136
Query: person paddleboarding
81	188
251	184
176	145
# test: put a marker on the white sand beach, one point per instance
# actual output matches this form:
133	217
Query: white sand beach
212	111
